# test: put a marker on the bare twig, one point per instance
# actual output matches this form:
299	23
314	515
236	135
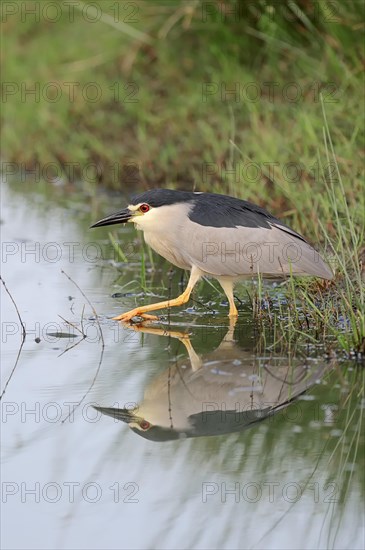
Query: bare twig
71	347
16	307
73	324
22	341
186	12
83	335
101	339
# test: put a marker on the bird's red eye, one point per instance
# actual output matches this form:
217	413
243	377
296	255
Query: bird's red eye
145	425
144	208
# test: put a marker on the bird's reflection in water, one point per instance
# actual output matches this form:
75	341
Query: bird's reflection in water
217	393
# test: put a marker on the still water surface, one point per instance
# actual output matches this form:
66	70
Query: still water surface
230	444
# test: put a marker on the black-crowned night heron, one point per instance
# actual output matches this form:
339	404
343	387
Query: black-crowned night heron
219	392
216	236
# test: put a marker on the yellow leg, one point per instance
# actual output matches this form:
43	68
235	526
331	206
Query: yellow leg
227	286
179	301
195	360
233	312
141	311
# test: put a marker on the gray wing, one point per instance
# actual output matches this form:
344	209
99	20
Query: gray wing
241	251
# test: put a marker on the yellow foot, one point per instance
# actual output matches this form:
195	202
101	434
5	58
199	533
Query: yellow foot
128	316
147	329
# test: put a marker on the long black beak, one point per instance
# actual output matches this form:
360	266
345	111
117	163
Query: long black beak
119	217
126	415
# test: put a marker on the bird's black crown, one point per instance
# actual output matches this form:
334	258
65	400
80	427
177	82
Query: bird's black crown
163	197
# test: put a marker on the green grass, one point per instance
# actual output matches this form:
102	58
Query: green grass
173	132
334	309
297	148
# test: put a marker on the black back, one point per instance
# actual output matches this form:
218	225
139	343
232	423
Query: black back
215	210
